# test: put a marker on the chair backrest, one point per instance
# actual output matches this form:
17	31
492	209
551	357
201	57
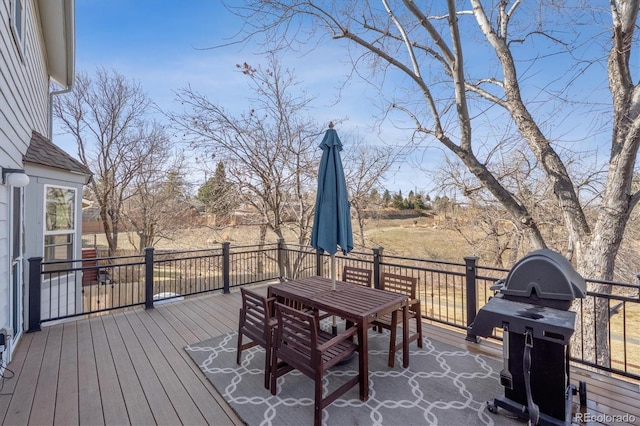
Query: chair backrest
351	274
256	312
297	338
399	284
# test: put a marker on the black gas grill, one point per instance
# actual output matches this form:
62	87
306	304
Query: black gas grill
531	306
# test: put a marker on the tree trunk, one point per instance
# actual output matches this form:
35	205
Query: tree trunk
115	229
261	242
106	226
597	261
360	221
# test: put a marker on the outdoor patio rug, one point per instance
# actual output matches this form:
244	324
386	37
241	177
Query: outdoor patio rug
442	386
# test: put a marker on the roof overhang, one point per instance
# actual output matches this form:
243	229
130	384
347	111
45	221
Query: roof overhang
57	19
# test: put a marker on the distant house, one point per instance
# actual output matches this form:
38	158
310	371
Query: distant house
41	187
91	221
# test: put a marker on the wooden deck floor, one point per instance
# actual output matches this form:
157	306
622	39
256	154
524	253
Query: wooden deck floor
130	368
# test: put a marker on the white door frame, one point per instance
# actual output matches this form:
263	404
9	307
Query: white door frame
16	273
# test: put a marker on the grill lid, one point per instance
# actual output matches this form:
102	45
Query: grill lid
544	274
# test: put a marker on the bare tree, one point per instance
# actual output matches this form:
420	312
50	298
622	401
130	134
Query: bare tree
486	225
365	167
156	200
269	152
420	50
106	115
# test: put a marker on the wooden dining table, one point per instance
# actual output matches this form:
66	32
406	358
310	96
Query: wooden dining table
356	303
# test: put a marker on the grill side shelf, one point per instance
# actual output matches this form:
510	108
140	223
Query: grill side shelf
545	323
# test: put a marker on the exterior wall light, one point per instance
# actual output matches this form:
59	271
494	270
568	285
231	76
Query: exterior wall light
15	177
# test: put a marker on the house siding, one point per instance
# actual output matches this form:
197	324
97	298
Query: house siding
24	98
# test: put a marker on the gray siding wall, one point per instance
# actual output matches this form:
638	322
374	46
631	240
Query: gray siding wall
24	100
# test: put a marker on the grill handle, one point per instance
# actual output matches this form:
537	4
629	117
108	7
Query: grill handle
532	407
506	378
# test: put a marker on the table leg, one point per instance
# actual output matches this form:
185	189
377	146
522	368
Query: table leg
405	336
363	360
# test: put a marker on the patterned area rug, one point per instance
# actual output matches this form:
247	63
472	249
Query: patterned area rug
442	386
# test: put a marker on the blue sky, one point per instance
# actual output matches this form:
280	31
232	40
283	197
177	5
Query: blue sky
162	45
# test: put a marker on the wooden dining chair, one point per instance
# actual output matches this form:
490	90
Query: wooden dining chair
297	305
408	286
257	323
300	344
351	274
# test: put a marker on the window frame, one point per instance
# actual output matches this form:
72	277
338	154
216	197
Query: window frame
18	24
70	233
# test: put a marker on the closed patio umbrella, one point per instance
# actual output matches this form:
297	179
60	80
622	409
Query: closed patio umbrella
332	220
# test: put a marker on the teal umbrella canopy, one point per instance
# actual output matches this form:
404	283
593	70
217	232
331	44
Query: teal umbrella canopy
332	220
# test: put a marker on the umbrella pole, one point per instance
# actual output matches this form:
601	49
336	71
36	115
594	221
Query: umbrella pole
334	327
333	271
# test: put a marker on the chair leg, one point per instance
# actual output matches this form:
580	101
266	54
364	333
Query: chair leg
267	366
239	348
273	373
267	370
419	324
240	325
317	409
392	339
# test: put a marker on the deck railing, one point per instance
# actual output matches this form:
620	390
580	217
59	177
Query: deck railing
451	292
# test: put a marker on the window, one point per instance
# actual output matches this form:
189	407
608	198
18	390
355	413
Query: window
59	231
17	22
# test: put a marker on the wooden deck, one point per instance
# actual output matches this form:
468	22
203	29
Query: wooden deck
130	368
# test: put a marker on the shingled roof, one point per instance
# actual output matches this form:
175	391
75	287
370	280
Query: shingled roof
42	151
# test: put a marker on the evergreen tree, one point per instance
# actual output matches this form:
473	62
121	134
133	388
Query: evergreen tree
398	201
175	186
374	197
386	198
410	203
217	192
441	204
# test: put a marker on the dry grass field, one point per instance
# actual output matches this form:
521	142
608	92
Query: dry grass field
420	237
